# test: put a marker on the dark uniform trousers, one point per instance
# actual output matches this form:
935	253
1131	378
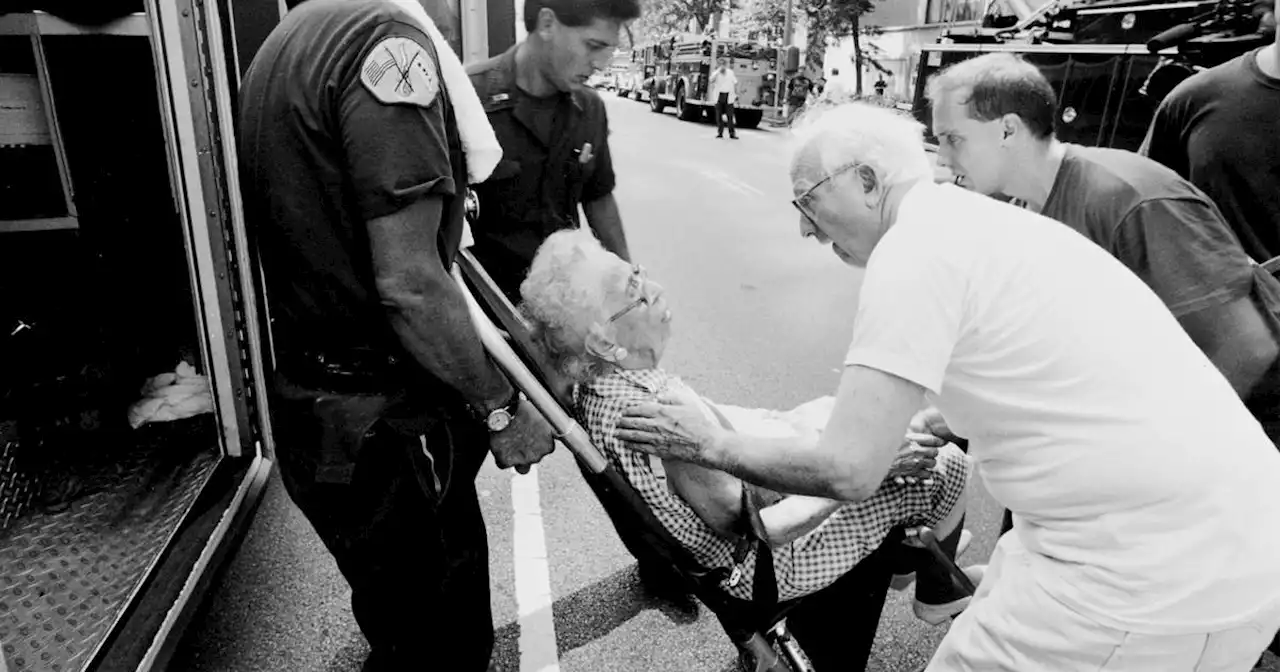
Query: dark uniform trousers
395	503
724	112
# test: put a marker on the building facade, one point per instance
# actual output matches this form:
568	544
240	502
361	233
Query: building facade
897	29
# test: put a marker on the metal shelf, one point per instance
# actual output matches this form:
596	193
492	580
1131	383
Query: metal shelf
42	23
43	224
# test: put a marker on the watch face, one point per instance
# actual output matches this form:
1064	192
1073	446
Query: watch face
498	420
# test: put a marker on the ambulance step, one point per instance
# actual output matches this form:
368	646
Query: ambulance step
66	577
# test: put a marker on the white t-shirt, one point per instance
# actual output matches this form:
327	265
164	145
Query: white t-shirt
1146	492
837	87
724	82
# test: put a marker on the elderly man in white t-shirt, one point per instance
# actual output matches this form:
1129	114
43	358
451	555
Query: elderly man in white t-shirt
1145	494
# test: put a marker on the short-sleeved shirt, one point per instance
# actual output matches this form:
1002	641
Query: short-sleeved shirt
321	157
1135	474
547	169
800	88
1219	129
1154	222
1167	232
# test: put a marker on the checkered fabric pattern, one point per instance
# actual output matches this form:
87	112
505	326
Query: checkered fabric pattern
804	566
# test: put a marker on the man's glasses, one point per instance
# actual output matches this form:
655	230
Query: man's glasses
635	285
802	202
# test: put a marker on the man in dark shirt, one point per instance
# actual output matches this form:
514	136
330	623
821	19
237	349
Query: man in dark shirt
1220	129
554	134
384	401
993	116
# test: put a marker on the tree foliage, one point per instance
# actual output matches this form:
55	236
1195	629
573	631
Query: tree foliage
764	20
834	19
661	17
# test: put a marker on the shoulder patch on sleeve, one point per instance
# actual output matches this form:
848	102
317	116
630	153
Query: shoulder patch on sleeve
398	70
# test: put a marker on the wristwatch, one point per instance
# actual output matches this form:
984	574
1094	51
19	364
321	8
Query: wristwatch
500	418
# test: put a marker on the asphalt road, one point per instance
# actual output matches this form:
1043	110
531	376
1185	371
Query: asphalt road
762	318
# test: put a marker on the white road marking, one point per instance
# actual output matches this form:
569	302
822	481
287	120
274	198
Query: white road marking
533	577
728	181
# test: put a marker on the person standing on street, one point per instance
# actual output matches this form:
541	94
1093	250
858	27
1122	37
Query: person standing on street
384	404
724	90
994	118
798	95
554	134
1136	476
1220	130
837	87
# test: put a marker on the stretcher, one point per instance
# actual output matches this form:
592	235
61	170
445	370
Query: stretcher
838	623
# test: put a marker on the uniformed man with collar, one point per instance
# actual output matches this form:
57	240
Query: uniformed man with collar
555	144
384	403
554	135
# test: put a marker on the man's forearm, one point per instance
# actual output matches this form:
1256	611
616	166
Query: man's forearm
435	326
605	220
792	465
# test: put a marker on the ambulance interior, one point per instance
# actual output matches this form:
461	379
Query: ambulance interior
100	480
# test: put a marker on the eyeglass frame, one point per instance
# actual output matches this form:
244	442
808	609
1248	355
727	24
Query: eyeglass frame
798	201
636	280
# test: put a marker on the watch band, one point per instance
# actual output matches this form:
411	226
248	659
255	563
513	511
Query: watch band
510	406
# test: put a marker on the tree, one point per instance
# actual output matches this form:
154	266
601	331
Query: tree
834	18
763	20
662	17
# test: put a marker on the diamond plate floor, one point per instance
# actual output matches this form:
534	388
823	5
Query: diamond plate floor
65	577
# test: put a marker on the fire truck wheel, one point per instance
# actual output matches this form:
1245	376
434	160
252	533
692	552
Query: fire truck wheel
748	118
684	110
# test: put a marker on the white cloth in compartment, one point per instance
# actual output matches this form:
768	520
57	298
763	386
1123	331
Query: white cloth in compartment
172	396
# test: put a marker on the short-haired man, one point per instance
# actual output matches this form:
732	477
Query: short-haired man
994	119
554	134
1138	480
355	154
723	88
1220	129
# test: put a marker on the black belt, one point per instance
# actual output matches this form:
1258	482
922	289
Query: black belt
347	370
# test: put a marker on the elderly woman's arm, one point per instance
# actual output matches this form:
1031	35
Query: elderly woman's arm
716	497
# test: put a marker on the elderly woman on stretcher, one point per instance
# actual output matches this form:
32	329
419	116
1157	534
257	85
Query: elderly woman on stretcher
605	325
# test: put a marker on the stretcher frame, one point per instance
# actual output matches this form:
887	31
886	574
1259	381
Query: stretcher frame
761	635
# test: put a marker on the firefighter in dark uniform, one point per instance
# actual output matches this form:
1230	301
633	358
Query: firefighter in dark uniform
384	403
555	143
554	135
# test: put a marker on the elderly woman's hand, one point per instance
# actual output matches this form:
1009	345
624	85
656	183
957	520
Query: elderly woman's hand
917	459
674	427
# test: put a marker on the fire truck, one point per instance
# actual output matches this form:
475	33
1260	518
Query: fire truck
638	68
682	66
1111	63
135	441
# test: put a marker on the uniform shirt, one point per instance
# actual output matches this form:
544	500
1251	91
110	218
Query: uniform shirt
321	156
546	170
1167	232
1136	476
1220	129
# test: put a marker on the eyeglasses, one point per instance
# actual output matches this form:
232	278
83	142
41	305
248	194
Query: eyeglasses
802	201
635	285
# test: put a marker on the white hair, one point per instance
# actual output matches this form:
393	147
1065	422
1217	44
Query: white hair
889	142
564	297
